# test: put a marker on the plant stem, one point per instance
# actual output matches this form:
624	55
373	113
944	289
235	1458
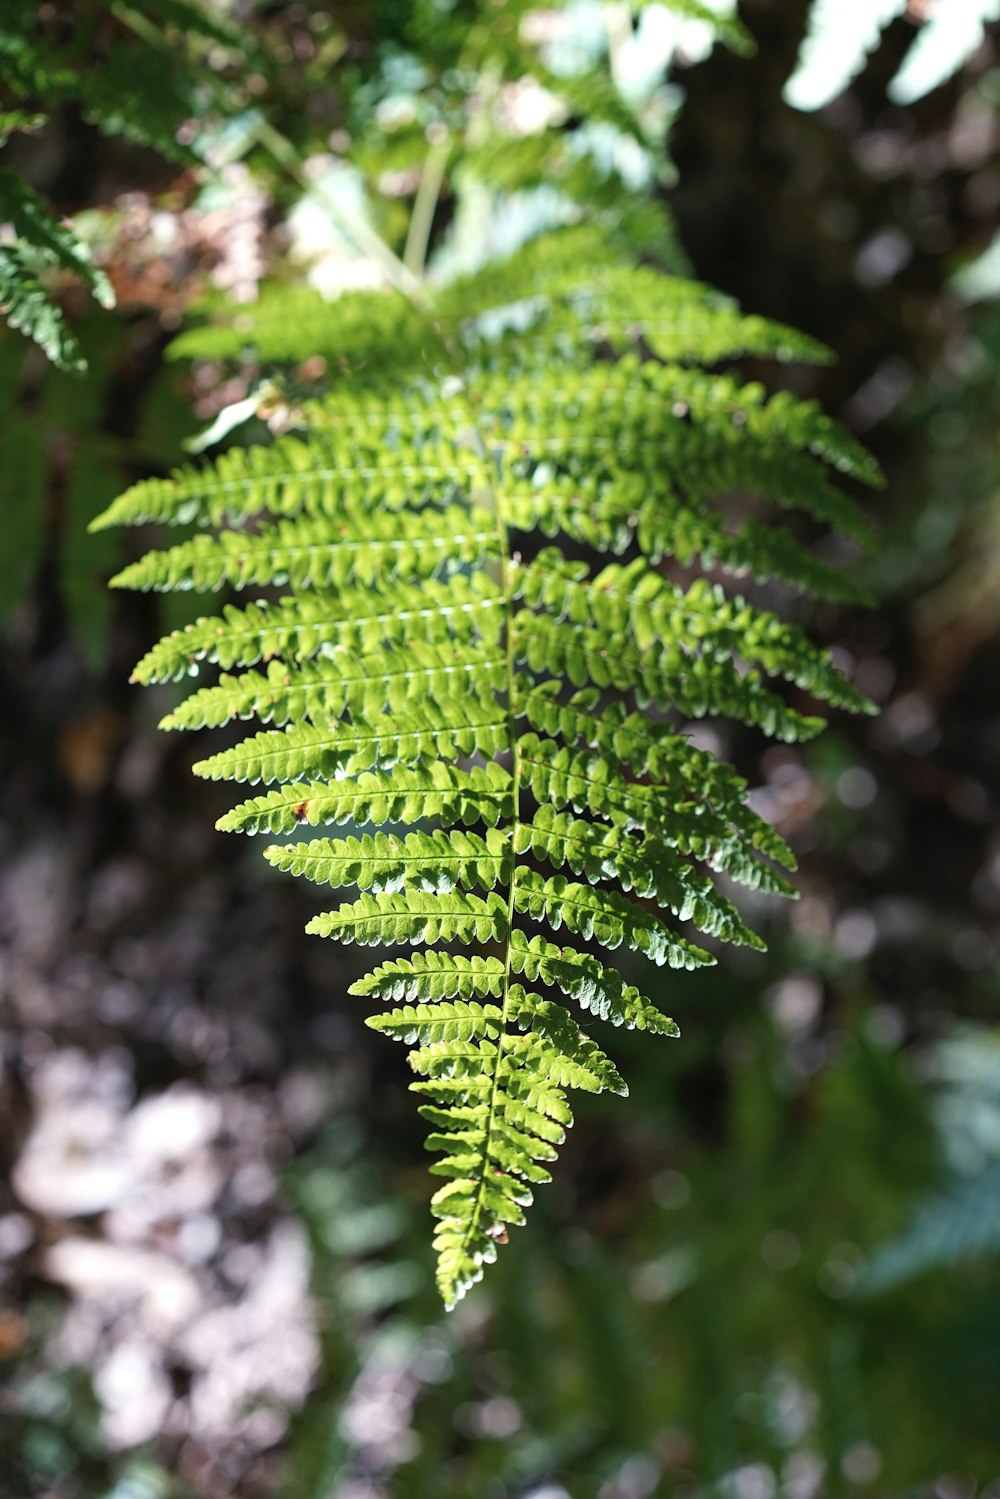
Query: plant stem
362	235
353	225
428	192
618	26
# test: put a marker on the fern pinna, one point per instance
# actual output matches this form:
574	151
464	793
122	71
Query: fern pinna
433	659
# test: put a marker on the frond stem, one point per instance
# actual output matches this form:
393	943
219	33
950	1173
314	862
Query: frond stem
425	204
354	226
503	544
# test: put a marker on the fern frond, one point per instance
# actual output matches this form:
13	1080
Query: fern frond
679	320
449	1020
640	605
316	624
512	724
27	306
405	794
607	918
433	975
953	1226
42	242
455	860
416	916
343	683
596	988
696	683
321	477
647	866
357	334
574	1059
727	835
303	553
327	747
631	413
34	223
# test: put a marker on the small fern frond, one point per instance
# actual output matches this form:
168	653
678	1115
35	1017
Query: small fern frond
639	605
447	1021
27	307
364	685
512	722
388	918
299	553
42	243
430	790
33	221
434	976
360	621
327	746
677	319
456	860
581	977
357	335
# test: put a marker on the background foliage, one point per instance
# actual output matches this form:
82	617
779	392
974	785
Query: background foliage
775	1272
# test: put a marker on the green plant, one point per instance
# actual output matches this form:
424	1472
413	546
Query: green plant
518	710
99	64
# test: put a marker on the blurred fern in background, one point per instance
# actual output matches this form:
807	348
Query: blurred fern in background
98	62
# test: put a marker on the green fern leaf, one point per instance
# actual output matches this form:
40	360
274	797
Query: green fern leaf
513	723
327	747
353	620
425	861
27	306
362	685
52	242
416	916
430	790
433	975
580	976
301	553
449	1020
